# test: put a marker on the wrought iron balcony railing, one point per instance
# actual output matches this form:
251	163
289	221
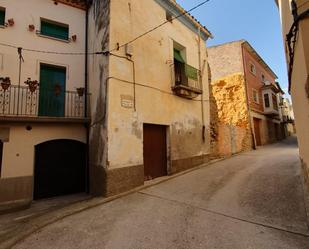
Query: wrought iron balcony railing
25	101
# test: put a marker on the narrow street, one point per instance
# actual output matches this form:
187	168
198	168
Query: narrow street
253	200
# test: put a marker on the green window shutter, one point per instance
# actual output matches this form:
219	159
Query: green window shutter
54	30
2	17
191	72
178	57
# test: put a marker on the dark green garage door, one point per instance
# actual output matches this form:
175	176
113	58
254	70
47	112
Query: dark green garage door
60	168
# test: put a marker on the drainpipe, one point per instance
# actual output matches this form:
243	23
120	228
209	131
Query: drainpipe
201	84
247	99
86	98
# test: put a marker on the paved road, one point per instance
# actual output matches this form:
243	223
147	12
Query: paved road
254	200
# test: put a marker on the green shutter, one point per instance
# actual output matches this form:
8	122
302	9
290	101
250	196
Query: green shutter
54	30
178	57
191	72
2	17
51	101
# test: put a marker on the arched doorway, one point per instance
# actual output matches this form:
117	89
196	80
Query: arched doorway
60	168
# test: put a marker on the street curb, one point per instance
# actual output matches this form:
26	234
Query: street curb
44	220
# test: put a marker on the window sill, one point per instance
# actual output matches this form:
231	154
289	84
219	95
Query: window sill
2	26
53	38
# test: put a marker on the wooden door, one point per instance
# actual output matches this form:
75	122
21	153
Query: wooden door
257	131
155	151
52	91
60	168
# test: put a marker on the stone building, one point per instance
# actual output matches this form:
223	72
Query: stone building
150	109
42	127
295	27
246	96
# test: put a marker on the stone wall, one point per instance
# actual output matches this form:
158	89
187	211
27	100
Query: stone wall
233	134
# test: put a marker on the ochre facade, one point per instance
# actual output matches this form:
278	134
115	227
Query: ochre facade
298	76
132	86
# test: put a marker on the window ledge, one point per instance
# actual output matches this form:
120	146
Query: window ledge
2	26
53	38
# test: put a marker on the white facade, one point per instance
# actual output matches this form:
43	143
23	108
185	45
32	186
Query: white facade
21	131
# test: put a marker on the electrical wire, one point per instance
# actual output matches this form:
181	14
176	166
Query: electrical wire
160	25
117	48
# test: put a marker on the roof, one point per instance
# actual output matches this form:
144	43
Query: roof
279	87
187	19
81	4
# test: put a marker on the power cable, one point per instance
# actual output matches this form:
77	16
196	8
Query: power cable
185	12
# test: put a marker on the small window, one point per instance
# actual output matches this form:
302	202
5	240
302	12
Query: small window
2	16
275	102
266	100
169	16
53	29
263	78
255	96
252	68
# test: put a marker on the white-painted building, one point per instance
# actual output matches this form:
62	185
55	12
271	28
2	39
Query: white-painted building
42	126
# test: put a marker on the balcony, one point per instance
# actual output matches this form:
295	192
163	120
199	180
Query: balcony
187	84
18	103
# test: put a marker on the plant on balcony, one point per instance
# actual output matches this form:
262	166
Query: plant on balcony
32	84
5	83
80	91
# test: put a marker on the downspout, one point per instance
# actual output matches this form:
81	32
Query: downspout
201	85
86	100
247	99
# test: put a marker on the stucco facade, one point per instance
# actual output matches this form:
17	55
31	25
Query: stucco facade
132	86
22	128
240	79
298	71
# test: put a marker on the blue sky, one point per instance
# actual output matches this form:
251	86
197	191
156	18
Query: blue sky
256	21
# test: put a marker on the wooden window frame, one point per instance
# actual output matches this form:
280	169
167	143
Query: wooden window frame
268	100
251	64
257	101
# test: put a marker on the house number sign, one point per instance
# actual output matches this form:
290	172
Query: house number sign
126	101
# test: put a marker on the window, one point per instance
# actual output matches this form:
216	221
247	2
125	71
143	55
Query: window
255	96
266	100
263	78
53	29
252	68
2	16
179	65
275	102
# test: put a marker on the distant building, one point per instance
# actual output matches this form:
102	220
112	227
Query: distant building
295	27
247	98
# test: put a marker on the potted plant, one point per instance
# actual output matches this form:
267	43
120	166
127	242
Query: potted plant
11	22
32	84
80	91
31	27
5	83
